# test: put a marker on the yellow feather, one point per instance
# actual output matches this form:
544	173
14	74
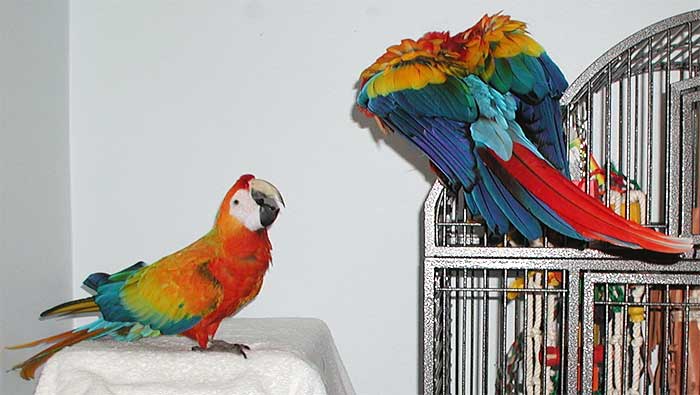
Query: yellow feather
489	70
528	45
410	76
513	25
507	48
84	306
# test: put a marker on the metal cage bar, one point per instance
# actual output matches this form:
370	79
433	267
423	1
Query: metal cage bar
460	369
669	284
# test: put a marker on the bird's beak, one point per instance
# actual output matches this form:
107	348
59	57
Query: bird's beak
268	198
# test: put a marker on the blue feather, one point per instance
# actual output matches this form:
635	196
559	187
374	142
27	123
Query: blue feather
109	299
495	219
540	210
555	78
451	100
95	280
542	125
512	209
450	121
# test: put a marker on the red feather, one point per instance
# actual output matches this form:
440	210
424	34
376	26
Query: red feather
585	214
29	367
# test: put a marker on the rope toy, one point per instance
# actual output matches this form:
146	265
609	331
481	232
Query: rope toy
636	317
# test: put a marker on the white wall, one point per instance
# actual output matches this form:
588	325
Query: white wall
35	262
171	101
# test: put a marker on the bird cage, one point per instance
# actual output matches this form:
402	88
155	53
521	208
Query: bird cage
503	316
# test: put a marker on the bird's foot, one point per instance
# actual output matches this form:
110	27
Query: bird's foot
539	242
222	346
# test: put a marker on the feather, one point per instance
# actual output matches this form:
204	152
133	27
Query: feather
28	367
512	209
584	213
486	206
542	125
538	209
73	307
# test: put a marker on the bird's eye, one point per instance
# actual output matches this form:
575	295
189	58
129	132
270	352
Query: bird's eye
235	202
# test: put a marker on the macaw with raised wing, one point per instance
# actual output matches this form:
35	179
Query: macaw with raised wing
482	105
188	292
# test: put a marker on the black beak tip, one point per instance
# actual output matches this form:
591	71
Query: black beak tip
268	215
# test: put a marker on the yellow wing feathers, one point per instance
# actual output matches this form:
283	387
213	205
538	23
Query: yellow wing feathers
176	288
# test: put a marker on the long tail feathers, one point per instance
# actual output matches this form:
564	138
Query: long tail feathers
65	339
585	214
86	305
61	340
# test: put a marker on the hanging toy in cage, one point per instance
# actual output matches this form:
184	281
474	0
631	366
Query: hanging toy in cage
619	186
617	192
608	369
577	169
612	374
694	342
636	317
614	333
513	383
542	350
680	358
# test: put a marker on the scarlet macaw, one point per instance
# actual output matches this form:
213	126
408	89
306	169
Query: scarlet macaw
483	106
188	292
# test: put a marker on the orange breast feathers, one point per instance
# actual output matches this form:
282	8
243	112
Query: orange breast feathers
239	271
239	268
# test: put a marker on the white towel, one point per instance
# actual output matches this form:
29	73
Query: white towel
292	356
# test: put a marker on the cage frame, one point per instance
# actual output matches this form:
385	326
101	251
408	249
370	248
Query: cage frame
684	95
578	264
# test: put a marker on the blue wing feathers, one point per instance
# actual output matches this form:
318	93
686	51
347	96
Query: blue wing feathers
548	133
110	302
512	209
542	125
114	311
555	78
443	160
449	122
450	100
486	206
538	83
540	210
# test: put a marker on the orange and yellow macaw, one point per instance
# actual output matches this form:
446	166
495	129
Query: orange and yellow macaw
188	292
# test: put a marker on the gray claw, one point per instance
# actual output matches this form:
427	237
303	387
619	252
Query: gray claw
222	346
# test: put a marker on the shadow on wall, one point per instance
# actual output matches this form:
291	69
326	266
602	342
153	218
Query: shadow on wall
399	144
421	163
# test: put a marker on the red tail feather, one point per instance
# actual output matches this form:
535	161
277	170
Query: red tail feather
29	367
585	214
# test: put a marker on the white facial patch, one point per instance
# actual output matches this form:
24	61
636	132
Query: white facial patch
246	210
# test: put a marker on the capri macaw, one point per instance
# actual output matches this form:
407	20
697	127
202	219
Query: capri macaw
188	292
482	105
